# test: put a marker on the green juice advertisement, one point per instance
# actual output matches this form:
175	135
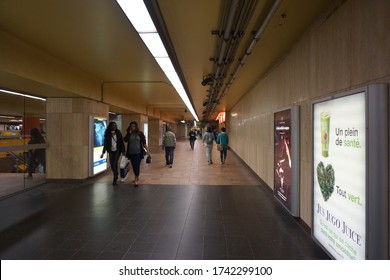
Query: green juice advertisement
339	176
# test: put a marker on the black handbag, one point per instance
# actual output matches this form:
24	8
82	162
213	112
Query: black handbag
148	159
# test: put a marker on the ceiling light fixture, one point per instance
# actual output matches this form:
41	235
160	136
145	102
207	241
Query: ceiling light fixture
22	94
137	13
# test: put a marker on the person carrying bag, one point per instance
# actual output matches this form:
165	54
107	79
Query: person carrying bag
136	149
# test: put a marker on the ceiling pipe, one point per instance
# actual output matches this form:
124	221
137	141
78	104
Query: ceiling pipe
226	35
246	12
253	43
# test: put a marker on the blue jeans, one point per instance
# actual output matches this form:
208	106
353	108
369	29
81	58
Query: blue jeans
223	154
169	155
135	160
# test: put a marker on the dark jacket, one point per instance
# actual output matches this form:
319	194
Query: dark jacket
120	145
192	136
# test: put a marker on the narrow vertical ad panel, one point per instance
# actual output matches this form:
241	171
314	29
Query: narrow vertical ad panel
283	157
97	128
339	175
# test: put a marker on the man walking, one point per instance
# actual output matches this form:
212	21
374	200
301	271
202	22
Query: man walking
169	144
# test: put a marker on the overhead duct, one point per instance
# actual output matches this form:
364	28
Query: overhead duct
249	50
232	29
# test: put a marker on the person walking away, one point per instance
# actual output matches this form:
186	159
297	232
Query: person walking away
192	138
136	148
215	132
36	156
208	139
223	139
169	144
114	146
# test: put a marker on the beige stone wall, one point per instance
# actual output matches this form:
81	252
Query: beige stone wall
67	134
155	134
348	50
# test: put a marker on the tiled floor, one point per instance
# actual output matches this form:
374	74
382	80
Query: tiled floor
191	211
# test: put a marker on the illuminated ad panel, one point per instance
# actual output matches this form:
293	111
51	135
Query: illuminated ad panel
282	157
99	127
339	176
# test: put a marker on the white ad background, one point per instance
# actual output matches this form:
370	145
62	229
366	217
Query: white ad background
347	204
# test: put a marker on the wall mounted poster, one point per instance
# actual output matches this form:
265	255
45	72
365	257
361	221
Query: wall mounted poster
282	157
98	127
339	175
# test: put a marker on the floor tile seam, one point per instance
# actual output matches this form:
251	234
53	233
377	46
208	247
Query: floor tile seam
135	239
184	226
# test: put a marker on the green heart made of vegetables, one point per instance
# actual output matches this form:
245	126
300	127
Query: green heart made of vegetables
326	179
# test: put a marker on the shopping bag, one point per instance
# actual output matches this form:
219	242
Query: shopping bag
219	147
124	167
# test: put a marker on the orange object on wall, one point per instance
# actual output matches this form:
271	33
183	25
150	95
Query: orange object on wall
29	123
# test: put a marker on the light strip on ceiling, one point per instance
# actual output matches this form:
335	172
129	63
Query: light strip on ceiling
21	94
137	13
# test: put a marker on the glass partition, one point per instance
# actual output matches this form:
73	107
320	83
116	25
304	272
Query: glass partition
22	143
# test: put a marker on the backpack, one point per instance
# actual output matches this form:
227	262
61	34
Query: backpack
209	138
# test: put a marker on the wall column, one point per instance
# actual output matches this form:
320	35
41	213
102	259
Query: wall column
155	134
68	134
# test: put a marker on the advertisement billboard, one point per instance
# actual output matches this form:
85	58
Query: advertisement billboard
282	156
97	127
286	158
339	174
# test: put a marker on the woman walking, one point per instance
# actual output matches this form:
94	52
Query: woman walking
114	145
136	147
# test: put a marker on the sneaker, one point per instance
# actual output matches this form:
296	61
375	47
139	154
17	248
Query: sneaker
170	166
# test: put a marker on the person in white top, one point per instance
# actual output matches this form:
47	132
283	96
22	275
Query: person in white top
115	146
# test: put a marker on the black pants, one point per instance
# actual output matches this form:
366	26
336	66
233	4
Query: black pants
192	143
114	158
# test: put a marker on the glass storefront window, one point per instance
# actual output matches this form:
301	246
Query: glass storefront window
19	117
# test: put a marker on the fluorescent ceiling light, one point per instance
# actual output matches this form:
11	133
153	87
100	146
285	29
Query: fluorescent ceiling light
21	94
174	78
137	13
165	64
154	44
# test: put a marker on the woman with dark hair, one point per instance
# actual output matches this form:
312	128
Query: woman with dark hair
36	156
136	146
114	145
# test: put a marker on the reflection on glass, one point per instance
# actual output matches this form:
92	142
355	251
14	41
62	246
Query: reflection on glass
19	117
